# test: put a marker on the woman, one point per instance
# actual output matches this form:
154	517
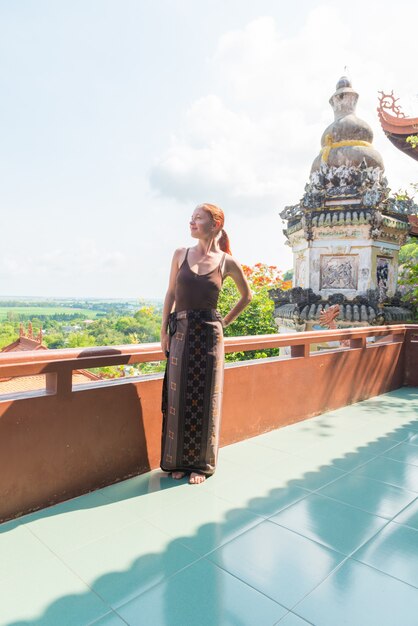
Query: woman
193	344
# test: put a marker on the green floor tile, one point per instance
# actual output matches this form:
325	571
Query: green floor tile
394	551
358	595
334	524
292	620
47	593
73	524
303	472
18	546
409	516
205	522
247	455
148	493
370	495
126	563
111	619
289	440
403	433
413	440
391	472
277	562
259	494
403	452
202	595
347	453
226	473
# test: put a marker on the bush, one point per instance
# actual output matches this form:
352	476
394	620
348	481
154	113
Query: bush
257	318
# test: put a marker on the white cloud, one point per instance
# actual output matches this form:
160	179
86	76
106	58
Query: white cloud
224	154
83	258
249	145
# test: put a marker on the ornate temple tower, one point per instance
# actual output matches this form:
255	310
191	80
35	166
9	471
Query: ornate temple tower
345	232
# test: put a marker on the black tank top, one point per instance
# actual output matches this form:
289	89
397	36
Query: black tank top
197	291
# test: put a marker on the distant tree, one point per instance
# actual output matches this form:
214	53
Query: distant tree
149	321
408	252
8	334
408	274
80	340
288	275
127	325
413	140
408	283
54	340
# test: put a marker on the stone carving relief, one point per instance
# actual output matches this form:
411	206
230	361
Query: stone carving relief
296	240
386	251
375	225
382	277
405	206
300	272
341	234
360	181
368	184
339	272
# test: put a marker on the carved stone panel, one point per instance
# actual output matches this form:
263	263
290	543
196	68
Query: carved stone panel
339	271
342	233
300	274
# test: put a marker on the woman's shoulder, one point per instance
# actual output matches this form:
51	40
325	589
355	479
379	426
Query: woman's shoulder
231	261
179	255
179	252
231	265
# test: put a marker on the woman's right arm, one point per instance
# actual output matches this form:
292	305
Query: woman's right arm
169	301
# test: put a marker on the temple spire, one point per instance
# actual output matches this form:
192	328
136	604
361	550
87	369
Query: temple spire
348	140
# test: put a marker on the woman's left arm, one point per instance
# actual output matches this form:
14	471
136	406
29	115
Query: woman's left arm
234	270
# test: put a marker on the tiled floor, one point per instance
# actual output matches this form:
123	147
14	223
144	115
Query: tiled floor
315	523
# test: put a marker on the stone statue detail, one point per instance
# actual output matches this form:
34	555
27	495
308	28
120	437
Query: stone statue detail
327	317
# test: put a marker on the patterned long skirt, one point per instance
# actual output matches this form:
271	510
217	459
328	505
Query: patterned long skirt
192	392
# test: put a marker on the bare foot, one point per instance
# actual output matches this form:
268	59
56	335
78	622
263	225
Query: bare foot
178	475
195	478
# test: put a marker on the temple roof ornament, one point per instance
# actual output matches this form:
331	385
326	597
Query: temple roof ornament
396	126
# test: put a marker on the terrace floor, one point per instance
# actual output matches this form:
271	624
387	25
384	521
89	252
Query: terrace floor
314	523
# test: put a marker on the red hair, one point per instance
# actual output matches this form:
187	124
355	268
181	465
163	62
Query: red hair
218	217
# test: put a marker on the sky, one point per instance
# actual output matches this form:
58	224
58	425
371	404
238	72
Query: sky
118	117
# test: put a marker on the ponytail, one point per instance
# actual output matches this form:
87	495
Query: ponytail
223	242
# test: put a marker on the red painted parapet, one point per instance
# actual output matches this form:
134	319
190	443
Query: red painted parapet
66	441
